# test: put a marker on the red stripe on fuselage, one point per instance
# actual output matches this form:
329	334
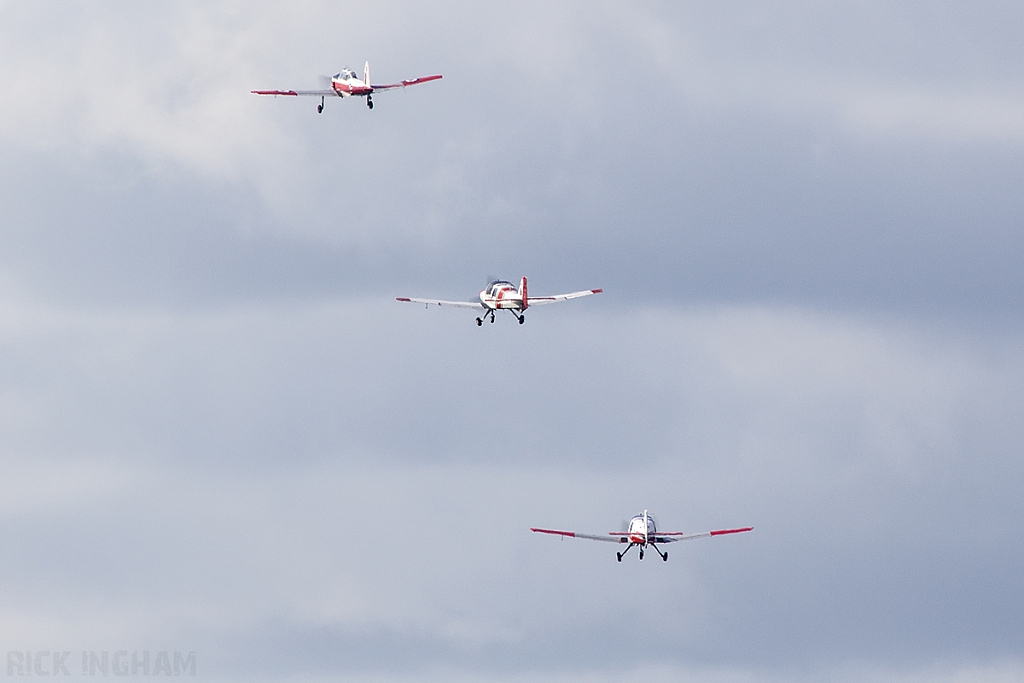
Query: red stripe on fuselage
340	87
505	298
510	302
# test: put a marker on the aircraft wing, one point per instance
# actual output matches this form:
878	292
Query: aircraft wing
415	81
294	93
538	300
610	538
672	536
434	302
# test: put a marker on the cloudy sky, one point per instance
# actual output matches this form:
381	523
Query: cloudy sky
220	434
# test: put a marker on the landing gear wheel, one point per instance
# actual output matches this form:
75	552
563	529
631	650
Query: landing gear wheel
665	556
641	553
618	556
479	322
492	319
369	102
319	109
522	319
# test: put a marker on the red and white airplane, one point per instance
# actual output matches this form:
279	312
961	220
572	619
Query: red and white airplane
347	84
642	532
501	295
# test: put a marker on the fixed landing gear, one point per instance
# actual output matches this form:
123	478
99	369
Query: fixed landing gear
320	107
664	555
369	102
619	556
489	315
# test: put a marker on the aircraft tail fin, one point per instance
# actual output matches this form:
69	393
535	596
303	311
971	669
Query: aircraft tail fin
522	293
366	73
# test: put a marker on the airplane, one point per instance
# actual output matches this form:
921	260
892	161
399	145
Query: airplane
502	295
641	532
347	84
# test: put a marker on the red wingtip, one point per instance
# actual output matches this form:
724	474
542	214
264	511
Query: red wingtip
402	298
722	532
570	534
596	291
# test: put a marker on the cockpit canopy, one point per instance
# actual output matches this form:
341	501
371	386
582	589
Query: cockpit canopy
345	74
496	285
636	525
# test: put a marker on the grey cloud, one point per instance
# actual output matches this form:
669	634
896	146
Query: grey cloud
211	398
264	445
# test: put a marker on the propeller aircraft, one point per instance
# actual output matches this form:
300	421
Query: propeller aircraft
347	84
501	295
643	532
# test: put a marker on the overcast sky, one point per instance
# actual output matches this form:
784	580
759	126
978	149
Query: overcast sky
220	433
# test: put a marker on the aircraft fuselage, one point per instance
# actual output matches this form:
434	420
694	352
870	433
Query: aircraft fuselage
502	295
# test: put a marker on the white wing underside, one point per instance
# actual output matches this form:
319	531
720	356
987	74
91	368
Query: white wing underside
363	91
654	538
592	537
532	301
657	537
324	93
435	302
541	300
297	93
